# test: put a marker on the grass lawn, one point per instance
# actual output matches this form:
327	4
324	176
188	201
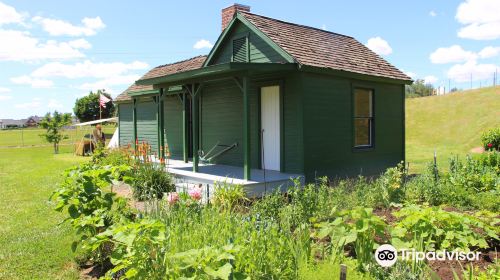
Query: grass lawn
32	244
31	136
450	124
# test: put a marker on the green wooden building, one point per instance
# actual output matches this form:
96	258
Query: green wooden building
275	96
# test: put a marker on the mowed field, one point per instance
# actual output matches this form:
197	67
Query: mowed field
450	125
33	244
31	136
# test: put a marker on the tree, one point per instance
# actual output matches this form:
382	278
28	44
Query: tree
87	108
53	124
419	89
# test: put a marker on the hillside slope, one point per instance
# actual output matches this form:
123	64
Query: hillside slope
450	124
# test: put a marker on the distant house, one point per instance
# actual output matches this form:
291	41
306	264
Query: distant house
10	123
275	96
32	121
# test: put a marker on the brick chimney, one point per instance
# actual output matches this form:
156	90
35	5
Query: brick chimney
228	13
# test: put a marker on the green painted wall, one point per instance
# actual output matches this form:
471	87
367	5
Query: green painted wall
222	117
221	106
126	128
259	51
328	129
147	124
173	124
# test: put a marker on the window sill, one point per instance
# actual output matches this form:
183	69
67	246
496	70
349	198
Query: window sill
363	148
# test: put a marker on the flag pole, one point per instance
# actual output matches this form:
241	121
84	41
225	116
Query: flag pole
100	109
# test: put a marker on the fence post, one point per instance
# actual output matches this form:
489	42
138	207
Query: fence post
343	272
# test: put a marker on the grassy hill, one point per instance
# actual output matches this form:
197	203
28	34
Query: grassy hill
449	124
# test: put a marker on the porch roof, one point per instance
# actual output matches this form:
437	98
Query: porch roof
214	72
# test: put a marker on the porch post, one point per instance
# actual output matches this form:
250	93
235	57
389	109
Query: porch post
161	126
185	143
246	131
194	98
134	120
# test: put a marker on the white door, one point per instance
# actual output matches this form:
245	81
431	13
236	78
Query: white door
270	124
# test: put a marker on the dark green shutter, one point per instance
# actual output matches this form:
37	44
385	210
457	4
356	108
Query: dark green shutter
240	50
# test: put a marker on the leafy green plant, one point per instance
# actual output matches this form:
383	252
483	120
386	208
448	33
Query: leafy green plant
90	207
358	227
228	196
491	139
440	229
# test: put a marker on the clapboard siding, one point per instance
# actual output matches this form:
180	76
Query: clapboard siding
126	125
328	127
221	120
147	124
259	50
173	125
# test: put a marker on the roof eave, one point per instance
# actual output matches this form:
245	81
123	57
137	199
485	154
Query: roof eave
354	75
205	73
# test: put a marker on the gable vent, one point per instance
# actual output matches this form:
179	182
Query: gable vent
240	50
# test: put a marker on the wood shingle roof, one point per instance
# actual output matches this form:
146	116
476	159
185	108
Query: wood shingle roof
316	47
164	70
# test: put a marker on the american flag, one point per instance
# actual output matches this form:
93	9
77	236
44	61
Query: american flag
103	100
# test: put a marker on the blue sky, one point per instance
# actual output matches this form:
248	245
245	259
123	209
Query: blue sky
52	52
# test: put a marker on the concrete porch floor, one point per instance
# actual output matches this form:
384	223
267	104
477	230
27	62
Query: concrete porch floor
209	174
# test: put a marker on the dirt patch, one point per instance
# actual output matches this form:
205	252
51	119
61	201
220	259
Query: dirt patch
386	214
477	150
125	191
446	269
88	271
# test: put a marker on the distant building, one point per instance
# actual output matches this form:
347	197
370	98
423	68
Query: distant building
10	123
32	121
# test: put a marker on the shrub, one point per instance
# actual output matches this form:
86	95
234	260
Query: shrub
228	196
491	139
151	181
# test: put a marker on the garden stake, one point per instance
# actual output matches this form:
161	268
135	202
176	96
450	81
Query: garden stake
343	272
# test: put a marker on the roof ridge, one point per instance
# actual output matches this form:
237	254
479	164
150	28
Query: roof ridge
296	24
181	61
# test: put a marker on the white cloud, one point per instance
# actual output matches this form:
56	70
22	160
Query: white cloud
489	52
87	69
5	97
54	104
34	104
451	54
109	82
201	44
464	72
481	19
5	90
21	46
34	82
57	27
432	13
323	27
80	44
430	79
379	46
9	14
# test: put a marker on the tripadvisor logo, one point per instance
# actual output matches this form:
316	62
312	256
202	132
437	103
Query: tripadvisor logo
386	255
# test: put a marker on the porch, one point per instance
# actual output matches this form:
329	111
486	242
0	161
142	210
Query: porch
207	175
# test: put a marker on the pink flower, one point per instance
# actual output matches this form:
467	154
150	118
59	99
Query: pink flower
490	145
172	198
195	194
